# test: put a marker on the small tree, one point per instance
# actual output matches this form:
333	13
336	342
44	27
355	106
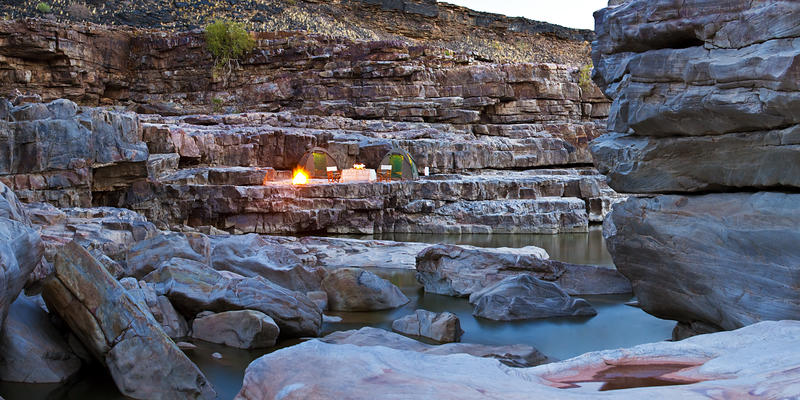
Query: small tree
585	79
228	41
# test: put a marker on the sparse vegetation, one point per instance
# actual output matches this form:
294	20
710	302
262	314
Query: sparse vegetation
216	105
585	77
43	8
228	41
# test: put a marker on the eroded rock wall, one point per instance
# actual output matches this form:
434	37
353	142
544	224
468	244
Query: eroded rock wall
704	106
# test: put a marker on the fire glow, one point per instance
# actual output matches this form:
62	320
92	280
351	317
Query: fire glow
300	177
358	166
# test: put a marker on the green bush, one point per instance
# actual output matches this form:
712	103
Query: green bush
228	41
216	105
585	79
43	8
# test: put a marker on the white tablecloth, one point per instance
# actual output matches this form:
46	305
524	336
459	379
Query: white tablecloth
359	175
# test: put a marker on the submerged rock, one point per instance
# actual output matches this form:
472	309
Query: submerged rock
757	359
32	350
143	361
245	329
194	287
517	355
354	289
442	327
525	297
462	270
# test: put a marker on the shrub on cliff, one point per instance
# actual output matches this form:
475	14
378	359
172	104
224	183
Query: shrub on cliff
43	8
228	41
585	79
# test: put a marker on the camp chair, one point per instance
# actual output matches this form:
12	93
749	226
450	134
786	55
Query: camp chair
333	174
385	173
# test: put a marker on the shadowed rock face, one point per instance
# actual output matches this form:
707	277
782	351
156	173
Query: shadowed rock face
244	329
354	289
704	106
442	327
143	361
758	357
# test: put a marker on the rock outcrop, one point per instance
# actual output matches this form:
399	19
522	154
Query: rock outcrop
756	359
173	324
244	329
525	297
514	356
704	101
354	289
462	270
442	327
143	361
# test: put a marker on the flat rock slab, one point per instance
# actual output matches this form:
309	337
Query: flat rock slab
518	355
462	270
354	289
525	297
728	260
143	361
759	357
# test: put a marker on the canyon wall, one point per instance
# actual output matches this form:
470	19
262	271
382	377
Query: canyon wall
704	123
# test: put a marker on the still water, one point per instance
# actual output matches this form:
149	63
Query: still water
615	325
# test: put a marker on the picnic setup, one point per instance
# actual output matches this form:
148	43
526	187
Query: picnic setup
319	164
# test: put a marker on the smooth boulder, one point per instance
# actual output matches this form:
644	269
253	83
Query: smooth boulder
461	270
525	297
354	289
173	323
143	361
442	327
244	329
147	255
194	287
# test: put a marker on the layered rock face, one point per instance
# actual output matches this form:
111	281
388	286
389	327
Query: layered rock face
704	106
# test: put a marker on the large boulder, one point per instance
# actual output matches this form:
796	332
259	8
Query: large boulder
147	255
194	287
143	361
525	297
32	350
518	355
462	270
251	255
354	289
760	359
244	329
441	327
737	263
21	249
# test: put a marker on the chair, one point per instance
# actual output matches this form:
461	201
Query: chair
333	174
385	173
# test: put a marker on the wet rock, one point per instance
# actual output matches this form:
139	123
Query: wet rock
173	324
250	255
143	361
194	287
515	356
525	297
442	327
354	289
759	357
32	350
462	270
737	263
245	329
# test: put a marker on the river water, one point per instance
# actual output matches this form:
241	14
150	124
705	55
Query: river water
615	325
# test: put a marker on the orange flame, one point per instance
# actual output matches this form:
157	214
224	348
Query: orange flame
300	177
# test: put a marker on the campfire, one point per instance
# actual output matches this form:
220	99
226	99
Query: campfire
358	166
300	177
